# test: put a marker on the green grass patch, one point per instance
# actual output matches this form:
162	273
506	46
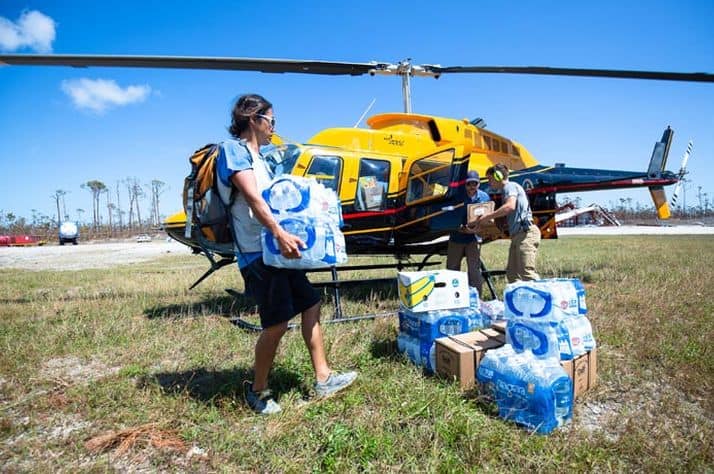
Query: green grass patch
91	352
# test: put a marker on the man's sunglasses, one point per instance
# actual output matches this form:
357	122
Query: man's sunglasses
271	120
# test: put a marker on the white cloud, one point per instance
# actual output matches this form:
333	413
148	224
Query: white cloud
98	95
33	30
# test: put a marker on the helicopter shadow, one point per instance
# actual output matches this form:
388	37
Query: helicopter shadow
209	386
381	290
376	293
225	305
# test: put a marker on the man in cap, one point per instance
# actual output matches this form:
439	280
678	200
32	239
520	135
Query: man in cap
464	242
525	235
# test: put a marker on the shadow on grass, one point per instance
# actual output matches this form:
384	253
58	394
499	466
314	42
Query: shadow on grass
361	290
225	305
385	349
209	386
238	304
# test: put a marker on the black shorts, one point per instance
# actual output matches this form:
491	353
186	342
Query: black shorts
281	293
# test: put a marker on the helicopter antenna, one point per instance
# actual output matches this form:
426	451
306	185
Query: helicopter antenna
365	112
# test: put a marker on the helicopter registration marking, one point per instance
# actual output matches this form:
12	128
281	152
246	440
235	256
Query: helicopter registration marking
394	141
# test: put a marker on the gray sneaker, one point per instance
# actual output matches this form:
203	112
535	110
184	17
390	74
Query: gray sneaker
260	402
335	383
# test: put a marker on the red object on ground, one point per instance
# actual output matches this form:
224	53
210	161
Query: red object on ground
20	240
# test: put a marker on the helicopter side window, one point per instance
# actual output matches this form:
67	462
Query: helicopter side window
429	177
326	170
280	158
372	185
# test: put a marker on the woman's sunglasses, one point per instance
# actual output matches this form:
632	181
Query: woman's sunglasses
271	120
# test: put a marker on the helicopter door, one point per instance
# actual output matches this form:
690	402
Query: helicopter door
429	177
326	170
372	185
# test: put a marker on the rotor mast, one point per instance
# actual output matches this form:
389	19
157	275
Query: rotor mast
406	70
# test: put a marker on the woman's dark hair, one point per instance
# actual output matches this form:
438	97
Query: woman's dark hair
247	106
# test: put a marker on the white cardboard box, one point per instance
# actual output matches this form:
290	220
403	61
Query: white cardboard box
432	290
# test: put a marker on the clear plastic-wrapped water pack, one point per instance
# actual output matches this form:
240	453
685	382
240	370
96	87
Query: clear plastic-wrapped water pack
309	210
548	318
418	330
530	391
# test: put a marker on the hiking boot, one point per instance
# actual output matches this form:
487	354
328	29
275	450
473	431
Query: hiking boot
335	383
260	402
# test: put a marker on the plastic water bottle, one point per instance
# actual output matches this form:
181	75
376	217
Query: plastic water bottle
428	356
474	300
493	309
539	337
581	335
288	194
562	390
523	299
330	257
409	346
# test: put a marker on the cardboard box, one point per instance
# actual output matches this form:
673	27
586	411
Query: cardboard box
583	372
458	357
477	210
500	325
487	230
373	197
427	291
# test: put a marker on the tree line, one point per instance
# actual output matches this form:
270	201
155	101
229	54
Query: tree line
114	210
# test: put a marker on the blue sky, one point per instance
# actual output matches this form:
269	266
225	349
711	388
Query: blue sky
61	127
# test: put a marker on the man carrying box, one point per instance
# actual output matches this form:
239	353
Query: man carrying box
525	236
464	242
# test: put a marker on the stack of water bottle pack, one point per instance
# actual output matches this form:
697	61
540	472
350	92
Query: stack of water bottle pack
434	304
309	210
546	325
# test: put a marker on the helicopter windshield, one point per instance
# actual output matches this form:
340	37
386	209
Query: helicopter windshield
280	158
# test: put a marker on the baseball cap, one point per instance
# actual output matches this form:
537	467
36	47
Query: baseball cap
472	176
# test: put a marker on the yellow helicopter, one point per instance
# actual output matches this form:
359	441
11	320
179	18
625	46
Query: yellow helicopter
400	180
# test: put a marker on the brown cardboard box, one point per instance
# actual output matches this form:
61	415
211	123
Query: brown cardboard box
500	326
487	230
458	357
373	197
583	372
479	209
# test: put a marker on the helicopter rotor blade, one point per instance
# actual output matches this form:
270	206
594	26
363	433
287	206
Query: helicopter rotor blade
179	62
329	67
564	71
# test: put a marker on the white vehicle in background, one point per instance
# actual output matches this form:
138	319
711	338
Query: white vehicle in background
68	233
143	238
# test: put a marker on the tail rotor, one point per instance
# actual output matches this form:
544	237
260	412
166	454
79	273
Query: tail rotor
682	173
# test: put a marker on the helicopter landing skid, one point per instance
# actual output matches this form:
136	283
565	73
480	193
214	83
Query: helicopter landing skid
336	285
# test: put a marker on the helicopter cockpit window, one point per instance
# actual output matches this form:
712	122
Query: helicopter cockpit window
326	170
280	158
429	177
372	185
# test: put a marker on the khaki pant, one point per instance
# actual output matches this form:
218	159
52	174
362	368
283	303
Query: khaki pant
522	255
455	252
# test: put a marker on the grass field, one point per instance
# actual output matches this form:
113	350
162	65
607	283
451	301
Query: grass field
125	369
